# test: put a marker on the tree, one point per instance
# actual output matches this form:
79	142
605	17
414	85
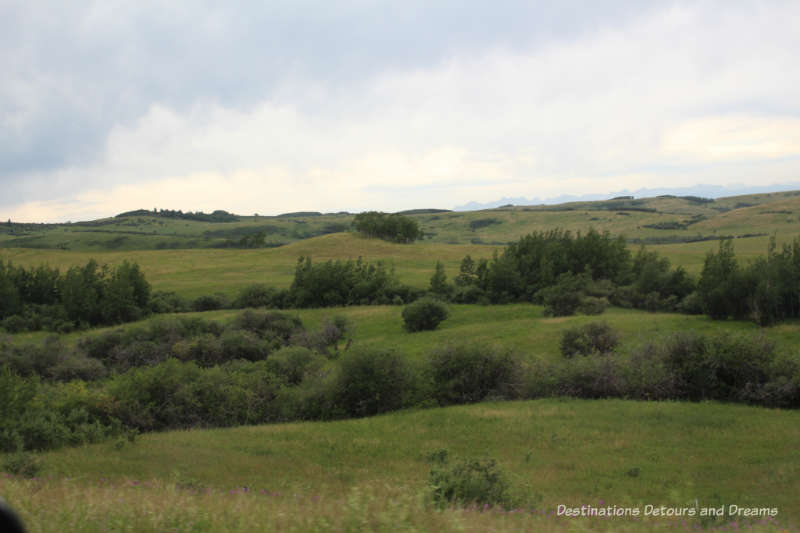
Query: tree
395	228
718	286
439	284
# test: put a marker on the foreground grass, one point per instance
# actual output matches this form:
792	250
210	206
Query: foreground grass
371	474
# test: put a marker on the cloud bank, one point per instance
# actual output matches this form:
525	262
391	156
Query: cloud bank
153	108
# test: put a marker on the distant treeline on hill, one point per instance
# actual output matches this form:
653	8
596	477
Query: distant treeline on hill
217	216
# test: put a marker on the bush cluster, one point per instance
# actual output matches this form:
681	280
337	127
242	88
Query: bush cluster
395	228
468	482
44	298
570	273
265	367
424	314
594	337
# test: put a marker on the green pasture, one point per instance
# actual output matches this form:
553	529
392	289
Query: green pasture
521	328
652	220
371	474
196	272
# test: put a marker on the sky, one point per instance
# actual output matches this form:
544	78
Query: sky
277	106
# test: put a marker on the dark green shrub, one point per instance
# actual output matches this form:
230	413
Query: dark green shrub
591	305
210	302
721	367
257	295
468	373
168	302
389	227
100	346
137	353
424	314
564	297
468	294
692	304
242	344
292	363
594	337
592	377
468	482
372	381
21	463
326	339
268	324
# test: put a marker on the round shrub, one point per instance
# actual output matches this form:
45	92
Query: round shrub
469	373
292	362
372	381
424	314
591	305
594	337
469	482
256	295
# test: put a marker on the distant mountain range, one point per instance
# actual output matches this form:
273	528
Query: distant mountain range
706	191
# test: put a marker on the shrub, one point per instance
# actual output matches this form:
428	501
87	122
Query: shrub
372	381
424	314
591	305
469	373
257	295
594	337
721	367
563	298
268	324
292	363
592	377
469	482
210	303
168	302
22	464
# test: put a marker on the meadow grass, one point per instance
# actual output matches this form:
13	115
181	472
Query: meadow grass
196	272
371	474
521	328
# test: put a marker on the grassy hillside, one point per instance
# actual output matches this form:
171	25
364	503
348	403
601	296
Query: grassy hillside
357	475
197	272
656	220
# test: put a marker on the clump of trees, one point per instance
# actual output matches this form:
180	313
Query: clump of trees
766	291
337	283
572	272
44	298
217	216
394	228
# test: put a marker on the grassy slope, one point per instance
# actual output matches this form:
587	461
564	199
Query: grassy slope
518	327
196	272
358	475
738	215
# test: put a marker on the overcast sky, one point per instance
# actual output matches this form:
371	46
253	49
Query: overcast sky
269	107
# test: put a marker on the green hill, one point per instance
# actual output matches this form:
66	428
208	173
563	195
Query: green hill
372	474
659	220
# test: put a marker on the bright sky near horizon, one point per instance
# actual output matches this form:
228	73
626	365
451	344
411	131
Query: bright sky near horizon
278	106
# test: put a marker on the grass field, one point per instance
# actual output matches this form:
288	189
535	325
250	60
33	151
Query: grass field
197	272
651	220
521	328
371	474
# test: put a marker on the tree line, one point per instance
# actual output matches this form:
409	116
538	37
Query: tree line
91	295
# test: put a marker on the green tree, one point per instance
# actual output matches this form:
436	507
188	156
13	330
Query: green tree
438	284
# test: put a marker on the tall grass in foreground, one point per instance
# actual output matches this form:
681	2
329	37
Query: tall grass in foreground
67	505
373	474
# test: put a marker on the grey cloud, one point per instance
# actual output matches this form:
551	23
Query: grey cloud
73	71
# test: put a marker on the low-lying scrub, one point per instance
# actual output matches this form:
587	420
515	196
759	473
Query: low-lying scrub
265	366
